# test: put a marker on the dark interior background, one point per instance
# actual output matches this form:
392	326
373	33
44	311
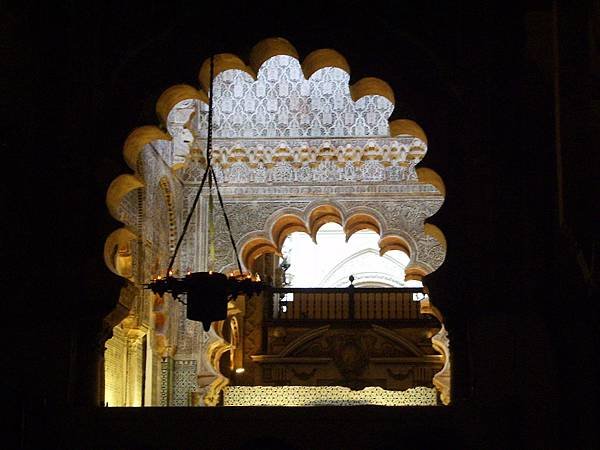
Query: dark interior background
499	88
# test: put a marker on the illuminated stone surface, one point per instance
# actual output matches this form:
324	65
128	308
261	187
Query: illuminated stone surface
326	396
295	146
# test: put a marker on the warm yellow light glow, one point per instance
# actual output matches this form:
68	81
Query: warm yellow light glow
326	395
240	370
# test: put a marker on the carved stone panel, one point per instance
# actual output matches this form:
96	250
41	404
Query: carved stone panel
285	143
394	359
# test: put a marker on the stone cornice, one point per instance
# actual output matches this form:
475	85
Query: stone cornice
296	151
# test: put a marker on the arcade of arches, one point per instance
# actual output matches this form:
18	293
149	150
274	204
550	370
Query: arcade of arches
298	152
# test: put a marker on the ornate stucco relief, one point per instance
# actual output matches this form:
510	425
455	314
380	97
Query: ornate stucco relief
326	396
289	137
282	102
249	220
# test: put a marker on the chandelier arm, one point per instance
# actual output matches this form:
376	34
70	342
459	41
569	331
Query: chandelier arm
226	220
187	221
201	287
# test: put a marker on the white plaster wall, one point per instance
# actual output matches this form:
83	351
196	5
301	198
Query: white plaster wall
332	260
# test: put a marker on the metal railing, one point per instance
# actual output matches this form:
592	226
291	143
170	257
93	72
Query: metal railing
351	303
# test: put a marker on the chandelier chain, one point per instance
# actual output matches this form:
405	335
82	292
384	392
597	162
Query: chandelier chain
210	174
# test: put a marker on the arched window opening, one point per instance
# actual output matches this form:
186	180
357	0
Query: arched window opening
331	260
320	188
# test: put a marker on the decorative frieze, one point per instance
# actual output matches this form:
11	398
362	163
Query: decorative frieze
184	382
289	140
326	396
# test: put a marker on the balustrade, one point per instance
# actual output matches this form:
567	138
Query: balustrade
351	303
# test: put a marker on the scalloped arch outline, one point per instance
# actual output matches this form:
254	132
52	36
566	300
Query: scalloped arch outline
271	237
287	220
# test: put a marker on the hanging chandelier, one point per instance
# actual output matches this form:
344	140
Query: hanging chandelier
206	294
